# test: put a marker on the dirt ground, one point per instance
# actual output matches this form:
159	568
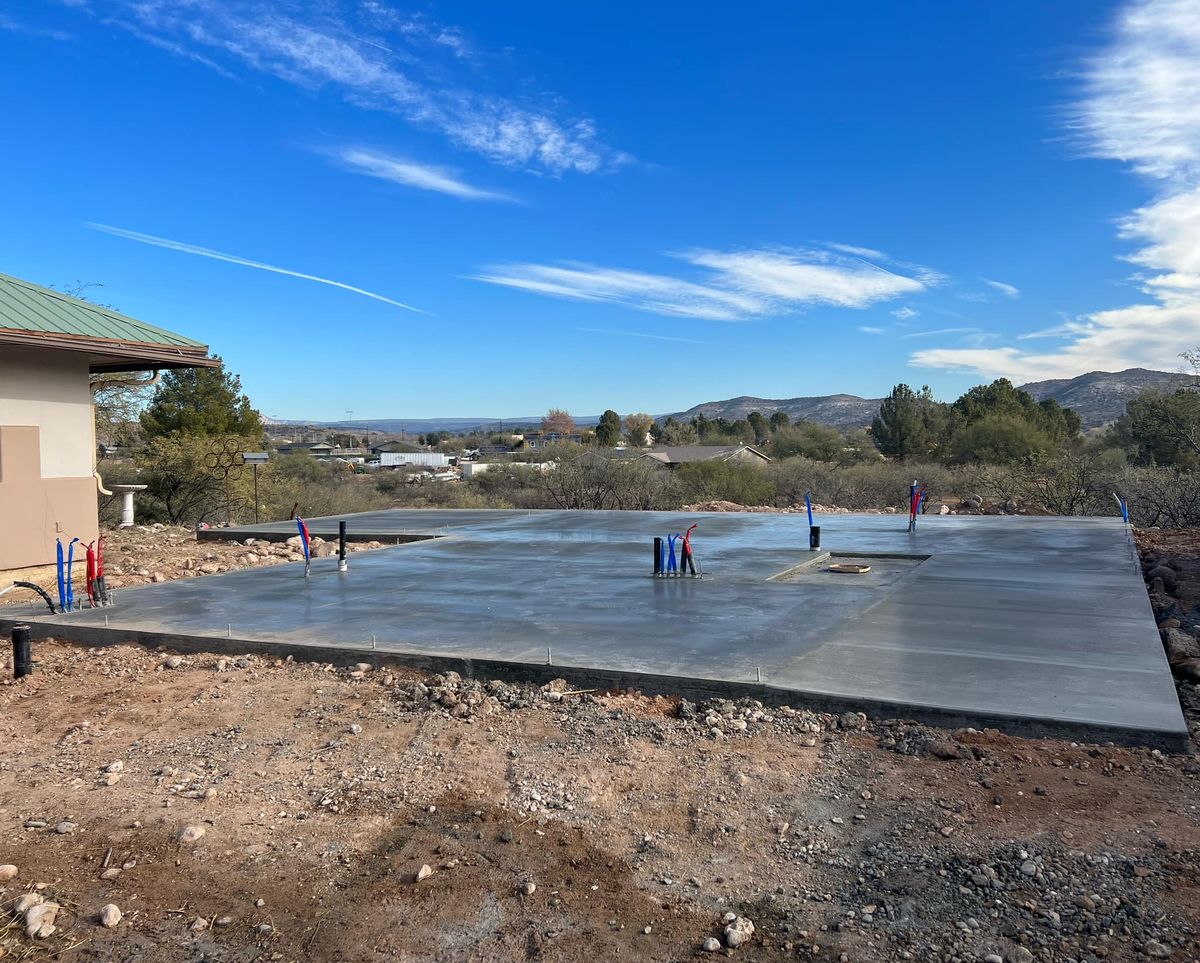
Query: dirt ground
558	825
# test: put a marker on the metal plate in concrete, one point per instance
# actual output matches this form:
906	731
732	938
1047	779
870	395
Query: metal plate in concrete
1040	623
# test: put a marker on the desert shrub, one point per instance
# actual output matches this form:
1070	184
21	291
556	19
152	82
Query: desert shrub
1166	497
315	488
1068	483
179	473
596	480
733	481
868	485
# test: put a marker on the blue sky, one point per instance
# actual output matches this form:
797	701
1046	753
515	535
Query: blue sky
637	206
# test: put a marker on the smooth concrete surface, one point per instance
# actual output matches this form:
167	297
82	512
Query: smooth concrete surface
1032	623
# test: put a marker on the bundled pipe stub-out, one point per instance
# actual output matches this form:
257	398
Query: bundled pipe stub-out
667	564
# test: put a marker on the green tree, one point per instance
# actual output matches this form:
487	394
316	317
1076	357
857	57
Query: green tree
1161	429
608	429
200	401
779	420
908	424
762	431
809	439
999	439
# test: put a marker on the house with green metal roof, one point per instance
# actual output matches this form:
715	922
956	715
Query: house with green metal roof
50	345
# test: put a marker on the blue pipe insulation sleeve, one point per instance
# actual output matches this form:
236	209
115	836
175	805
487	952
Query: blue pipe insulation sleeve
808	505
70	580
62	587
672	566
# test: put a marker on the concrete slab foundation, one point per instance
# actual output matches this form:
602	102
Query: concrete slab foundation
1032	624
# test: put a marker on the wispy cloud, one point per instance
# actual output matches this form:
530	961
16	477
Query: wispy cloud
1008	290
864	252
941	331
245	262
869	329
729	286
905	313
642	334
379	59
408	173
1140	105
17	26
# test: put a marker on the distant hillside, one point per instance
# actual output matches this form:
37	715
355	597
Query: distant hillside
1099	397
840	411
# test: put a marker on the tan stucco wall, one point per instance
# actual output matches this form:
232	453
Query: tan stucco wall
49	390
47	454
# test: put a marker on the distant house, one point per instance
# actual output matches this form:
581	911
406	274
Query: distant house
317	450
675	455
393	446
537	440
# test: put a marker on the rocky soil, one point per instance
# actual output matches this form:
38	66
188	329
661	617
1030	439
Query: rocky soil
159	807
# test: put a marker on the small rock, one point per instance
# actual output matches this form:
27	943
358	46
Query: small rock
1157	950
993	958
199	925
39	917
738	932
65	828
1029	868
355	729
1020	954
223	921
423	873
173	661
529	888
110	915
191	834
7	872
117	766
713	945
111	873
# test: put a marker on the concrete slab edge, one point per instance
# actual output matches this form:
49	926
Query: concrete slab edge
1175	741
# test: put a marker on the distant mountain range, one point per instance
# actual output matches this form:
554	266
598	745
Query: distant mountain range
1098	396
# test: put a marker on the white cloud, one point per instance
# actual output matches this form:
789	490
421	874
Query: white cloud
735	286
234	259
378	59
1008	290
1141	105
869	329
865	252
905	313
424	177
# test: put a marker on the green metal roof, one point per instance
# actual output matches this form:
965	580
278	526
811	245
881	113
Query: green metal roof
28	307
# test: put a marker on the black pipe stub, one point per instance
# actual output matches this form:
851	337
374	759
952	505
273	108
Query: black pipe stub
22	652
814	538
341	546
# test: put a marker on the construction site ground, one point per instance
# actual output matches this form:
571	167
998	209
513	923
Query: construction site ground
242	808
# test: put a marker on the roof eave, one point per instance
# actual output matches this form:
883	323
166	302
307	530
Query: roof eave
106	355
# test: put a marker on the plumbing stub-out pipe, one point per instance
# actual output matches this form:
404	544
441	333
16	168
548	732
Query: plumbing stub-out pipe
658	555
22	652
814	538
342	546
